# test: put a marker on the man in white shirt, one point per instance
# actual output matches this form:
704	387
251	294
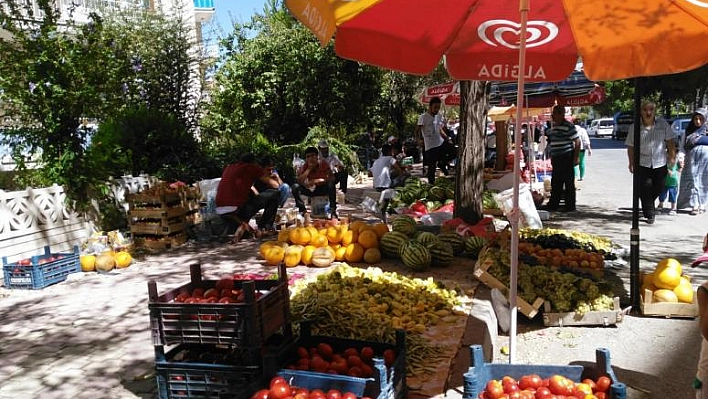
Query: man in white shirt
656	150
387	173
430	131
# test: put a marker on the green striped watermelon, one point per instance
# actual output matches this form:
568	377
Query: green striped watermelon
391	242
440	253
427	238
473	245
456	241
415	255
404	224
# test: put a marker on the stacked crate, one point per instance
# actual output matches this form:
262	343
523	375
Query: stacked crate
189	199
157	219
220	349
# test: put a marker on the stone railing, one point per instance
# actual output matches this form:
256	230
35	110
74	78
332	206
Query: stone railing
37	217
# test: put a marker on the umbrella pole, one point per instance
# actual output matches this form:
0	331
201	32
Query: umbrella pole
636	188
515	213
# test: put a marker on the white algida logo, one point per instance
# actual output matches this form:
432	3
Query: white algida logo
699	3
539	32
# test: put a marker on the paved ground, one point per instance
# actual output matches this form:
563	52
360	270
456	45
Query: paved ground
88	337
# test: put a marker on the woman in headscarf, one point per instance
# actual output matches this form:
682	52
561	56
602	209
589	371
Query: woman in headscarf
693	188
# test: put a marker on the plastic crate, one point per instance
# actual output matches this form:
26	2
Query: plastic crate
41	270
480	373
387	382
248	324
219	372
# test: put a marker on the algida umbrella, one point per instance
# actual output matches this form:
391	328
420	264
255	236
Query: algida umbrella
507	40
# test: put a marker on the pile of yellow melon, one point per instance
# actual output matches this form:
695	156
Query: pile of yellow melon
320	246
667	283
105	261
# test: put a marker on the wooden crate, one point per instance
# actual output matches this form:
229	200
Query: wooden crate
164	227
157	212
527	309
667	309
166	199
594	318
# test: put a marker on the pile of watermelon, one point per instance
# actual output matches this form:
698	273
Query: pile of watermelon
420	250
422	197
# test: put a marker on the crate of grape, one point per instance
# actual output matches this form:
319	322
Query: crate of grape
228	311
494	380
40	271
585	316
367	369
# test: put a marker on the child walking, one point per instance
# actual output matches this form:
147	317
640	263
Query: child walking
671	188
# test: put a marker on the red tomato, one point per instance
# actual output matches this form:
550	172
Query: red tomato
334	394
582	388
262	394
276	380
532	381
590	382
317	394
325	350
348	395
227	299
225	284
543	393
302	352
560	385
600	395
494	389
603	384
367	353
510	385
389	357
279	390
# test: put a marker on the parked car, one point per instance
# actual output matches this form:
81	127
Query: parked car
622	121
601	127
679	128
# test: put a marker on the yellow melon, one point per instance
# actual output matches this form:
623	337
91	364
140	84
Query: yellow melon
323	257
293	255
372	255
664	295
105	262
368	239
684	292
123	259
355	253
88	263
307	254
274	255
667	275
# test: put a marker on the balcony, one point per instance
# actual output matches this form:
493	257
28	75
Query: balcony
203	10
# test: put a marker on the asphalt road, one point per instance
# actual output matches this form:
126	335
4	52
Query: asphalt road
655	357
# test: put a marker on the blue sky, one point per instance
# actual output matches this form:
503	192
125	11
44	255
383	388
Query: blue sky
238	10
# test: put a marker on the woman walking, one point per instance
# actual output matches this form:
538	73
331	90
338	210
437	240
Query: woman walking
693	188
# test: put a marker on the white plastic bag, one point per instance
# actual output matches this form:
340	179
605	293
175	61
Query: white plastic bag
530	217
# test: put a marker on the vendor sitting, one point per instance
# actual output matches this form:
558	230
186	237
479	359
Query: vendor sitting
314	179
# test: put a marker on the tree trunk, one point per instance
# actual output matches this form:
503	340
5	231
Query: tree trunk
469	185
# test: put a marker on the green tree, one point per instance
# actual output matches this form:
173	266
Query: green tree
275	79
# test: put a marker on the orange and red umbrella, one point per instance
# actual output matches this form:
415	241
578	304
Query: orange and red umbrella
483	40
479	39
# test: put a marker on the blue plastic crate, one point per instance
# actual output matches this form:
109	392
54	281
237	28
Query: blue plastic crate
40	271
387	383
195	371
476	378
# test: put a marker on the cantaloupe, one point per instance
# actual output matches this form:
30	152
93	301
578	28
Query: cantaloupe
664	295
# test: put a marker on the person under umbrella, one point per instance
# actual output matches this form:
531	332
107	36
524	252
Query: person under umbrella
565	152
656	150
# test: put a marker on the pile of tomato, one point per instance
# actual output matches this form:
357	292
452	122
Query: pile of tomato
280	389
556	387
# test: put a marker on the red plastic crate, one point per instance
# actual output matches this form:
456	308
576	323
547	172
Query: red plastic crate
40	271
248	324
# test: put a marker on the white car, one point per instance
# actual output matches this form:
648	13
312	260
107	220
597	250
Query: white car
601	127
